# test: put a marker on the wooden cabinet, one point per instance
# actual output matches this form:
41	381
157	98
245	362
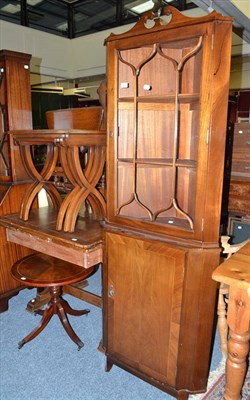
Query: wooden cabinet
15	113
15	110
155	304
239	195
167	104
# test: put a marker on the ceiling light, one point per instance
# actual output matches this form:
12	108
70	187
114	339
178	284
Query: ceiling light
141	8
33	2
11	8
62	26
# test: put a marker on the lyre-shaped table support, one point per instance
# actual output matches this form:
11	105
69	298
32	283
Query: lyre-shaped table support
63	149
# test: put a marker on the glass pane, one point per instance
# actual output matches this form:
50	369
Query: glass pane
158	125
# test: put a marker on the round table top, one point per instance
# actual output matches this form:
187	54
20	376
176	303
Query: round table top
42	270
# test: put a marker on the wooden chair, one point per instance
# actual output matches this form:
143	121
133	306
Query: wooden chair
228	250
41	270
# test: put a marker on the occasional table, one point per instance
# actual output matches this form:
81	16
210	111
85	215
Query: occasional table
235	272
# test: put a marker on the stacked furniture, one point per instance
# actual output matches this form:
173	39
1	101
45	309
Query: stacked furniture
26	229
57	229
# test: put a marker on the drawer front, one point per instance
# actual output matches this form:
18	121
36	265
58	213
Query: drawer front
241	129
240	189
239	197
242	155
242	141
237	204
241	138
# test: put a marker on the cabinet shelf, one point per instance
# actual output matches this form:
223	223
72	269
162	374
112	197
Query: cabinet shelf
154	162
169	98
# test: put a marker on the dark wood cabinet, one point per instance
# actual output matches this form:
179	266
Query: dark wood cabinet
15	110
167	107
239	195
15	113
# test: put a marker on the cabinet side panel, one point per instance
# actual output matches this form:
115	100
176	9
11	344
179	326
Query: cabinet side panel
144	304
221	71
18	96
198	313
10	199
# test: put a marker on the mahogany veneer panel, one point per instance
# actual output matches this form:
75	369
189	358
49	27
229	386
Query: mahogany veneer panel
82	247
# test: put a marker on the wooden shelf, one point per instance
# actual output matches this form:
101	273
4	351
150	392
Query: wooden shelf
158	162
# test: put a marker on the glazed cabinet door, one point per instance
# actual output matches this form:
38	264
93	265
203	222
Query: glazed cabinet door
144	290
157	142
160	123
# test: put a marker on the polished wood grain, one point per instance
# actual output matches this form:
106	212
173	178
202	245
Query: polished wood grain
235	272
16	110
150	310
10	195
82	247
42	270
76	118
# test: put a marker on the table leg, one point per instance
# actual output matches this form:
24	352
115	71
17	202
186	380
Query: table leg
238	344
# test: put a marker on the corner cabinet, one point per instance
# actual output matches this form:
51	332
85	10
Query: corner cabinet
167	105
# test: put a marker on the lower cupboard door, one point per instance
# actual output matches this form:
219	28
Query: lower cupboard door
145	288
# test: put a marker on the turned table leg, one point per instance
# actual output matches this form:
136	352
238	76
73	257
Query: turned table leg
238	344
222	318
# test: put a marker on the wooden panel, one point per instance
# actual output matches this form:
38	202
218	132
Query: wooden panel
17	104
10	202
144	304
39	233
45	245
239	205
75	118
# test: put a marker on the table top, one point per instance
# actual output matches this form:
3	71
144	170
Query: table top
83	247
235	271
